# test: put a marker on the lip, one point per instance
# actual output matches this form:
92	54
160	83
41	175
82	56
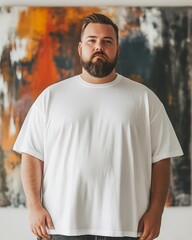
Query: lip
100	55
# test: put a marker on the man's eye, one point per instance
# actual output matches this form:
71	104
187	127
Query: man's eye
107	41
91	40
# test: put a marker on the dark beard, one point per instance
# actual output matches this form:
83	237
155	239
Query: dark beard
100	68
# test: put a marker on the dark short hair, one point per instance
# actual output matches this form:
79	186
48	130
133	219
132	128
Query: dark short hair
99	18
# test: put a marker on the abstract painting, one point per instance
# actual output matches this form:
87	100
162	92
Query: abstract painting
38	47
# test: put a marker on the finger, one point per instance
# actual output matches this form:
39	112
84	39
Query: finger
49	222
145	234
140	227
38	232
44	232
150	237
153	234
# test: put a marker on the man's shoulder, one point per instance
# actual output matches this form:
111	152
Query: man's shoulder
56	89
62	84
139	90
134	85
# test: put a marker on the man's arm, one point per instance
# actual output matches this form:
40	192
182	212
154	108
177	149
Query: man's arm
31	174
150	223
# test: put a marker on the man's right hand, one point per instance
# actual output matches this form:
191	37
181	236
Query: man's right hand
40	220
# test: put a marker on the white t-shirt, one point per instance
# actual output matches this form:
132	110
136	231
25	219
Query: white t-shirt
98	143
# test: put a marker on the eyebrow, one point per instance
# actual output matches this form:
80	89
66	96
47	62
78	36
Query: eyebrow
103	38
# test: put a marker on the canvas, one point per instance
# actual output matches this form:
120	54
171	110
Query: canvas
38	47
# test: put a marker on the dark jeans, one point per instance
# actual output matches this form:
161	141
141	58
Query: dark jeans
88	237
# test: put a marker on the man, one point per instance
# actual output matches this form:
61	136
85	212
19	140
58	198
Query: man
96	150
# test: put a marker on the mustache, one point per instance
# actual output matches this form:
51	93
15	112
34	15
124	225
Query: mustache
98	53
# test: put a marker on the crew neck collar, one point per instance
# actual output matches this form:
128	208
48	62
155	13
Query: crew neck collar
98	85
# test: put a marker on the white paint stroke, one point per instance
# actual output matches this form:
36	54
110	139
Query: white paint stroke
8	22
151	26
19	51
4	90
12	128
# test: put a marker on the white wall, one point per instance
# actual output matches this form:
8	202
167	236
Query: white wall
177	222
98	2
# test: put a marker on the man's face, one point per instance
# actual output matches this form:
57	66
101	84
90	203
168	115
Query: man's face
98	49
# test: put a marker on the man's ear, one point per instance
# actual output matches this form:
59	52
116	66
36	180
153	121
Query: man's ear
79	47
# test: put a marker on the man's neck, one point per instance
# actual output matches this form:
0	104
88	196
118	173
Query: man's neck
88	78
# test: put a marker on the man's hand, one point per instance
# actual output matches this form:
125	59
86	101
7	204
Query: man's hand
149	225
40	219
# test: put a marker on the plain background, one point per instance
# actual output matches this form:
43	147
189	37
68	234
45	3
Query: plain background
177	221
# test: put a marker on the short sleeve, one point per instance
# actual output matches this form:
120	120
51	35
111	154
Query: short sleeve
31	136
164	141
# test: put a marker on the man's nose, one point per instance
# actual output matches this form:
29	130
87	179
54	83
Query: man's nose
99	46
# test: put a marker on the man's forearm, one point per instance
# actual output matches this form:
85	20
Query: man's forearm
150	222
31	173
159	184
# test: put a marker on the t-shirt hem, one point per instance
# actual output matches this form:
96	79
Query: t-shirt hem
108	233
30	152
167	155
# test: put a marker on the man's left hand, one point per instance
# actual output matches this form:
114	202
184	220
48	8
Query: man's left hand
149	225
